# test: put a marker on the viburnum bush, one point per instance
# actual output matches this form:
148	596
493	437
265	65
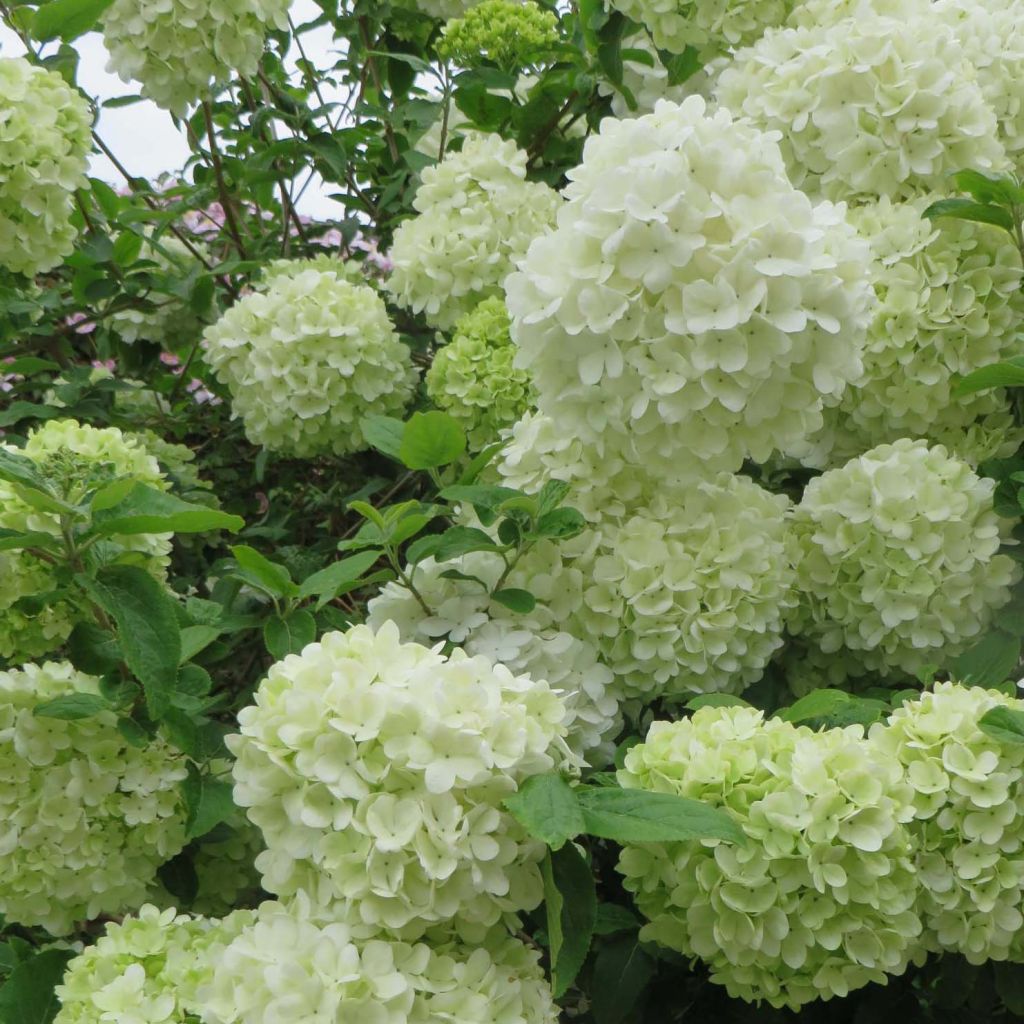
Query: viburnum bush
524	525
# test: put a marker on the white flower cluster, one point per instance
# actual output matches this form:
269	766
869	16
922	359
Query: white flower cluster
476	216
178	50
537	644
86	818
306	359
867	106
692	308
45	140
376	771
690	594
897	556
712	27
820	899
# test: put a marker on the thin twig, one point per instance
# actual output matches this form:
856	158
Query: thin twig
222	187
371	63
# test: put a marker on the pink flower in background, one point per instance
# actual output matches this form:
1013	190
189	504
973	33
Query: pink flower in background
201	394
104	364
373	254
170	359
81	323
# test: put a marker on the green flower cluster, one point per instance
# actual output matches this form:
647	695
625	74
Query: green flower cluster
473	377
306	358
87	816
509	33
45	140
897	556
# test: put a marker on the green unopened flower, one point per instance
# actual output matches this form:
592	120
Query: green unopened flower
509	33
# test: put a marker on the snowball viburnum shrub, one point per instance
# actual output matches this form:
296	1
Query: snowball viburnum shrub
306	359
45	140
179	50
692	308
535	644
867	106
968	802
820	900
691	593
87	817
476	215
473	378
376	771
898	556
74	458
442	9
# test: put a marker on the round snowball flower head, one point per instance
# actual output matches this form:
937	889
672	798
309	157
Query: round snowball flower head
509	33
148	969
476	216
74	459
376	771
45	140
867	107
898	556
536	644
306	359
692	308
180	50
820	899
949	302
473	378
691	593
712	28
88	817
968	801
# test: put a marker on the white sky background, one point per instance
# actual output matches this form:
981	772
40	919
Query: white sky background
143	136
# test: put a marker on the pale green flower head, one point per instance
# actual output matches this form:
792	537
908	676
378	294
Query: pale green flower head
968	800
690	594
75	458
692	308
476	217
898	557
45	141
148	969
713	28
820	900
179	51
376	771
308	357
509	33
867	106
88	817
473	378
441	9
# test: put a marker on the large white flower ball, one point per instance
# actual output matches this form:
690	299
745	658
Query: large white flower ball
45	139
179	50
306	359
87	817
376	771
476	215
898	556
867	106
692	308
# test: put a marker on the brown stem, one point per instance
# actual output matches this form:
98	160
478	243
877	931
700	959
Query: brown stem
222	187
371	63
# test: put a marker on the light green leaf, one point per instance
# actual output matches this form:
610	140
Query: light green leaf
289	635
260	572
144	509
430	440
1003	724
67	19
326	583
546	806
72	707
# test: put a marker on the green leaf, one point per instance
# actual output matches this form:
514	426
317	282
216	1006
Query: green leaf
18	411
1008	374
521	601
260	572
147	628
990	661
571	904
546	806
622	970
483	498
385	434
28	365
133	733
561	523
67	19
430	440
1009	979
422	547
15	540
716	700
816	704
28	996
112	494
179	878
1003	724
208	802
326	583
987	189
613	918
637	816
21	470
289	635
195	639
460	540
146	510
968	209
93	649
72	707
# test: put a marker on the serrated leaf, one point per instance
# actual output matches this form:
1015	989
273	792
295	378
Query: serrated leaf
431	440
570	902
546	807
144	509
73	707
